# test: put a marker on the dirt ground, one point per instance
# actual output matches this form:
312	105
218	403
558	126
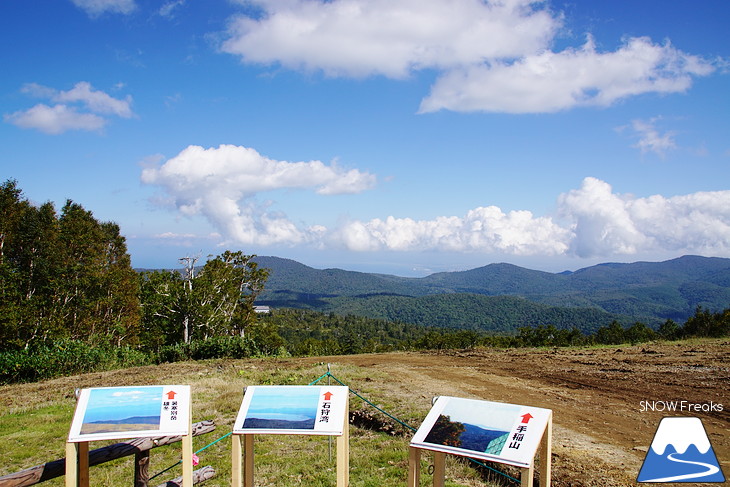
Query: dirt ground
602	429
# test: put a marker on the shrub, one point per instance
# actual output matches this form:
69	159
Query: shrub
64	357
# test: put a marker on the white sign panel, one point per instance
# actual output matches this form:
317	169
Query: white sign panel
304	410
108	413
493	431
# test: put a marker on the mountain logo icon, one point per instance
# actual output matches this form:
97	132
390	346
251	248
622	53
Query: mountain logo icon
680	452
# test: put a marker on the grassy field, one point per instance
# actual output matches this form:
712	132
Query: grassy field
35	420
601	429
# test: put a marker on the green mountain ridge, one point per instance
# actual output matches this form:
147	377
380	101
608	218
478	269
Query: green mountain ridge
643	291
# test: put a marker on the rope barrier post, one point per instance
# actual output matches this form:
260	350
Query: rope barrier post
141	468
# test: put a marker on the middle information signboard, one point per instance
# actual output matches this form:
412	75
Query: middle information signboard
286	410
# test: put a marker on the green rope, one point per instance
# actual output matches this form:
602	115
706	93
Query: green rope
320	378
329	374
481	464
198	451
368	402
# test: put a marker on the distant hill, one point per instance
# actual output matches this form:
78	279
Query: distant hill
646	291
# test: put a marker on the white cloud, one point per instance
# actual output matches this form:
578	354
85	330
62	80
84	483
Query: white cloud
550	82
220	184
605	223
80	108
95	100
388	37
592	221
94	8
490	55
484	229
650	140
596	223
168	9
55	120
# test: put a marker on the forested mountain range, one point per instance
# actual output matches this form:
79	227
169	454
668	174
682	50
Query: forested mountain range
500	297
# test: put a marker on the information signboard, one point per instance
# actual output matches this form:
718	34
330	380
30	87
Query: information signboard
108	413
492	431
305	410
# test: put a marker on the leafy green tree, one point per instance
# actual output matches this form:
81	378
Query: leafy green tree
669	330
201	302
707	324
612	334
66	276
639	333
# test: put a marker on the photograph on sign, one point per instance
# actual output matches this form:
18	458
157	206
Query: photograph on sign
313	410
494	431
129	412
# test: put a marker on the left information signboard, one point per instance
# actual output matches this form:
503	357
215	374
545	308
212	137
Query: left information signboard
109	413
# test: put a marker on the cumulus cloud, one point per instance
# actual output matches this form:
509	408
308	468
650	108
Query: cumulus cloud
388	37
94	8
484	229
80	108
490	55
592	221
550	81
605	223
220	183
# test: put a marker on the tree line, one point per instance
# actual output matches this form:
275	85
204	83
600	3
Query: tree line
67	276
71	302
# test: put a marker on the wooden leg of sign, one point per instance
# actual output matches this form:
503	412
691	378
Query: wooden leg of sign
187	453
247	460
72	465
439	469
83	464
414	467
343	452
236	480
526	476
546	448
77	464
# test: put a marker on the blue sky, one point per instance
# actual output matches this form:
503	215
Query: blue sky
395	136
122	402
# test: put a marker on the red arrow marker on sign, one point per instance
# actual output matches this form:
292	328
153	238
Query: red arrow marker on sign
327	396
526	418
171	395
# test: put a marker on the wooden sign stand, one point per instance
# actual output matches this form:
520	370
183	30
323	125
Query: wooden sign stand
77	459
242	457
526	474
